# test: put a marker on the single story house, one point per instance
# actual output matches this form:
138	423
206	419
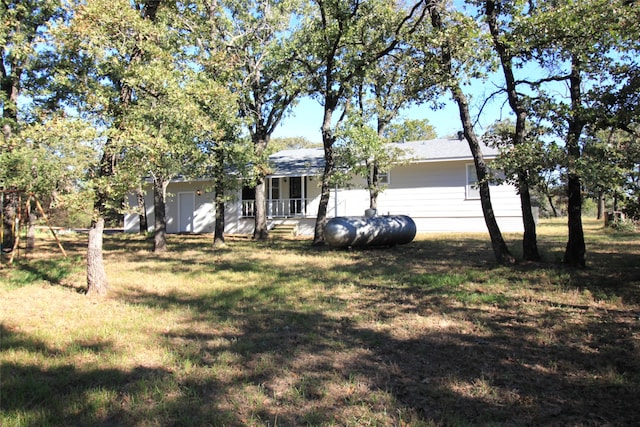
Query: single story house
434	185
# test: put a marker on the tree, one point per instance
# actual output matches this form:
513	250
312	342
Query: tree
49	162
577	44
105	49
24	24
176	133
389	85
410	130
455	36
499	15
360	150
255	35
337	43
291	143
534	155
223	49
603	167
629	143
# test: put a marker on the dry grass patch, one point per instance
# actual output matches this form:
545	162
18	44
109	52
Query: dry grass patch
279	333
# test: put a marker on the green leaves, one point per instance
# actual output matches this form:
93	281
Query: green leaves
52	156
361	151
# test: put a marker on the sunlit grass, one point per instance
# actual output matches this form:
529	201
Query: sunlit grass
280	333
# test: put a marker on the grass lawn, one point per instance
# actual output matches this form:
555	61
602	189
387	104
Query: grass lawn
279	333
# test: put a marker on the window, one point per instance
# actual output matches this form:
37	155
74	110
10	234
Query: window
472	191
383	178
275	188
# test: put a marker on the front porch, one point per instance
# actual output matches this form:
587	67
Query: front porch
287	197
281	208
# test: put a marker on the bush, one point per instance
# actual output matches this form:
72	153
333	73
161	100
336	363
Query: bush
624	225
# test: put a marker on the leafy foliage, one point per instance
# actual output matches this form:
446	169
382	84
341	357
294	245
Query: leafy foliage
361	151
410	130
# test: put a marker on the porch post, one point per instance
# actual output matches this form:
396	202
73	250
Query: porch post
269	195
303	205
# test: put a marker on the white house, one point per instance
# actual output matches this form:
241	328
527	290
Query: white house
434	186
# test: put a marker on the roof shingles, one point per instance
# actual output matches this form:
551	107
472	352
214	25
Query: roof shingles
310	161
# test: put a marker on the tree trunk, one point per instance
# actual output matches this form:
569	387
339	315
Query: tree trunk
142	217
500	249
260	143
325	194
218	187
10	209
260	231
373	187
553	207
576	249
529	239
96	275
160	229
575	252
328	139
601	205
218	234
31	230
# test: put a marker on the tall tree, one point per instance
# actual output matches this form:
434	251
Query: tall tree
50	160
604	167
217	45
389	85
339	41
176	133
105	50
24	24
576	44
255	35
455	43
498	15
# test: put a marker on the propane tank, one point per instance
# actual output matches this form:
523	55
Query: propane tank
369	230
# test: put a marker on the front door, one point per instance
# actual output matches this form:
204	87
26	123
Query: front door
295	195
186	205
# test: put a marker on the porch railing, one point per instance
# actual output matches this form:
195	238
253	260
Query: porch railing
278	208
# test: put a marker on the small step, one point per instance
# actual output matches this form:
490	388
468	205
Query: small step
282	230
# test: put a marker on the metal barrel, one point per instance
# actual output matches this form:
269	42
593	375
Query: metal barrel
384	230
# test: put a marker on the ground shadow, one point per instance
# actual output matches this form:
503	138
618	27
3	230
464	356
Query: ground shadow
501	371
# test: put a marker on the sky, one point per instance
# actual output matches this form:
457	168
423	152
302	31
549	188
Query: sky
306	117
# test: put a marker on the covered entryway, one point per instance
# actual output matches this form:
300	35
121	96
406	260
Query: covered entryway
296	196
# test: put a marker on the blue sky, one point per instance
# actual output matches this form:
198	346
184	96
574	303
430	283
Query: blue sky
306	118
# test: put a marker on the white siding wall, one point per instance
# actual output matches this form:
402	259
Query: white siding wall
203	215
433	194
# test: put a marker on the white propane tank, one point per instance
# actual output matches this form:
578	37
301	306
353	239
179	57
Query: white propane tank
384	230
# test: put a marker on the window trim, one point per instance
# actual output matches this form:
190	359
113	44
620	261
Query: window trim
470	192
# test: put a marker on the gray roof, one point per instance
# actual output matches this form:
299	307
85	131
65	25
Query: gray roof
310	161
435	150
304	161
